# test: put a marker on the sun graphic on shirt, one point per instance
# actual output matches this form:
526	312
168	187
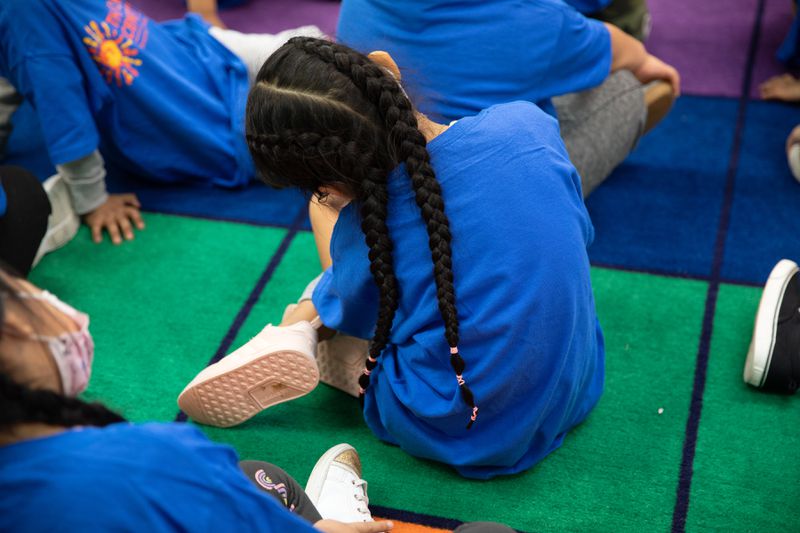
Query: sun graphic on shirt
115	56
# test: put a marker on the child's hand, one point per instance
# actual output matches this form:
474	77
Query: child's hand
117	216
333	526
654	69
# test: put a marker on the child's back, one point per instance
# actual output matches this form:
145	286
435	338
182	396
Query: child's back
529	333
161	98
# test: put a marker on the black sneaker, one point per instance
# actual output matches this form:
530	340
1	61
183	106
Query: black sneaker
773	362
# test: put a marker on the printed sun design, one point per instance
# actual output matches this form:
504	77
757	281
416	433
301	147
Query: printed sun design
115	56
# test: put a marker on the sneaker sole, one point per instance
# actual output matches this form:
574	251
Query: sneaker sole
794	160
317	478
759	356
238	394
658	99
341	361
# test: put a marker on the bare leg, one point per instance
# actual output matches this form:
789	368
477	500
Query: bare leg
323	219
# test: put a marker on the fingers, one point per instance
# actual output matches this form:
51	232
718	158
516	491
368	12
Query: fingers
372	527
675	81
97	232
135	217
113	232
125	228
130	199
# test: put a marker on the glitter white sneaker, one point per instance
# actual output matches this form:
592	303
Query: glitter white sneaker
335	486
340	360
63	223
275	366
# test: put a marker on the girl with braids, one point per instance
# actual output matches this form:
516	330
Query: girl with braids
459	250
75	466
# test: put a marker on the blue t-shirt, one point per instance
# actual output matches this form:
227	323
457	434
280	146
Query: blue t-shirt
164	101
459	57
149	477
588	6
529	333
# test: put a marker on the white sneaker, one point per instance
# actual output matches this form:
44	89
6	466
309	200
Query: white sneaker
794	160
335	486
340	360
63	223
275	366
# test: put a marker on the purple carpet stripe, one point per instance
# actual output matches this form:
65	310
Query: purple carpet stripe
416	518
255	294
683	495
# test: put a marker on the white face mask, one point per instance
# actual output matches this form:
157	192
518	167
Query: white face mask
72	352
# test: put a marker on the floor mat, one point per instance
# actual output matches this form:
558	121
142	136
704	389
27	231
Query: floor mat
687	230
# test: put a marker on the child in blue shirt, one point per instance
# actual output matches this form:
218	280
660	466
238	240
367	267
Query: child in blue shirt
469	55
461	252
163	101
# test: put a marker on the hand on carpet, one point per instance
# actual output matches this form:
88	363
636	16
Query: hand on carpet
784	87
117	215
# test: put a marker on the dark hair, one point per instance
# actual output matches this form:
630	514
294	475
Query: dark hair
21	404
323	114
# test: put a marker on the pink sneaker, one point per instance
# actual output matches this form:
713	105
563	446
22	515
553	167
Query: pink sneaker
275	366
340	360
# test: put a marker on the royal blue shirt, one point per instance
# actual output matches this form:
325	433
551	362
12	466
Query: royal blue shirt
588	6
163	101
149	477
529	334
461	56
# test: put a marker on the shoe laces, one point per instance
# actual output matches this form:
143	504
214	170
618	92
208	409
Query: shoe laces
360	494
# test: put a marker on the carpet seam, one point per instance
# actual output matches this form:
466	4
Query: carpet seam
683	489
254	296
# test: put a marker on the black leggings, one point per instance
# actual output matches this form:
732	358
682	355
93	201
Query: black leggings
25	222
276	482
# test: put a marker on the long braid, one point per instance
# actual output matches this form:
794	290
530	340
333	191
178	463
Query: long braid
411	148
20	404
404	143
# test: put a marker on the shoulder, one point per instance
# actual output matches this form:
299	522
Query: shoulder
521	122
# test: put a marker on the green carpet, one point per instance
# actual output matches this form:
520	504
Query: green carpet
162	305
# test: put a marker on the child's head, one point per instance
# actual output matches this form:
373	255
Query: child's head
43	361
324	117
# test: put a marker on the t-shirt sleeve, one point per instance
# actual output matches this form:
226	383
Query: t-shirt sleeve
346	297
55	87
582	57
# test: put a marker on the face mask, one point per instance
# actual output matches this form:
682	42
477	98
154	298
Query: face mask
72	352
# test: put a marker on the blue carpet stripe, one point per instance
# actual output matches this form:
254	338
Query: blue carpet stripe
255	294
681	509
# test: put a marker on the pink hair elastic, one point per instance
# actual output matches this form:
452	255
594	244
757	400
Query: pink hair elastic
460	379
372	359
453	350
474	414
367	372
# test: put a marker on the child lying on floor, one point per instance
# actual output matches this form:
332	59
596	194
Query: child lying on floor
486	349
161	101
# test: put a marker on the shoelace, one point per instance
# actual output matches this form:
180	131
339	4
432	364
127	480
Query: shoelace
360	494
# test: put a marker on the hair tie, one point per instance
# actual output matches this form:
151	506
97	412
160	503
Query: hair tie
367	372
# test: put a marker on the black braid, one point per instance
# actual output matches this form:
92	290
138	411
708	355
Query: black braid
20	404
387	117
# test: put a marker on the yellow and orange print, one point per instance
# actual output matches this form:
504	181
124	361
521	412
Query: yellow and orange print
115	55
